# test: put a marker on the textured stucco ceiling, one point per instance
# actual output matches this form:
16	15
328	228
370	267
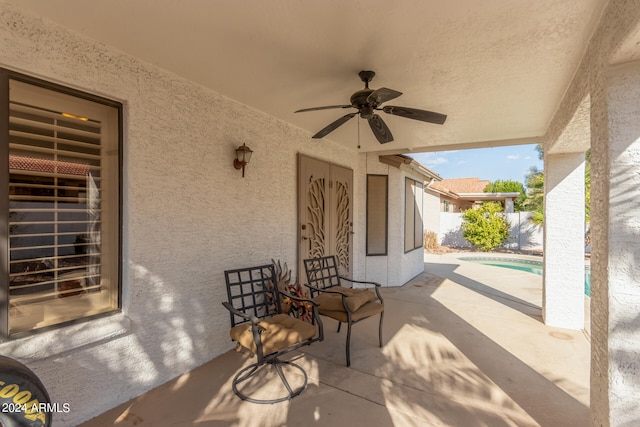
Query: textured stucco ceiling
497	68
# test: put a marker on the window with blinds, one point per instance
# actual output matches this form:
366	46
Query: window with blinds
63	207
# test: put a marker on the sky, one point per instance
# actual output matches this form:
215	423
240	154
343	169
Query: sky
510	163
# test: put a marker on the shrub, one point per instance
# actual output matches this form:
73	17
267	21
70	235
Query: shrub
509	186
431	240
485	227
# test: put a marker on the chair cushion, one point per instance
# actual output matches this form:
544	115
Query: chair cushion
367	310
356	298
280	331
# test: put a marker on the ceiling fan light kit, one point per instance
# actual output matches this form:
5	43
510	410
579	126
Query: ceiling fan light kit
367	101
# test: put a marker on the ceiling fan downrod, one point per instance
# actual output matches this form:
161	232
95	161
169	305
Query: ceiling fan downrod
366	77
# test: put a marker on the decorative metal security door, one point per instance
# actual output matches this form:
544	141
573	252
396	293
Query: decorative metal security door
325	212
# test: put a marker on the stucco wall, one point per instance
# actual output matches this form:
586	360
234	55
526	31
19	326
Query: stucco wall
402	266
397	267
523	235
614	373
563	273
431	212
623	93
188	215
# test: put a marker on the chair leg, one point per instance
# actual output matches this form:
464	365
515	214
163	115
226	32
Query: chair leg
348	344
283	378
248	372
380	328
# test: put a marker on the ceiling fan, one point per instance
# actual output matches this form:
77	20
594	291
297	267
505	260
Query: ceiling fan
367	101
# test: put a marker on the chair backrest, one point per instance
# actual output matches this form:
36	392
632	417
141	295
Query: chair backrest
253	291
322	273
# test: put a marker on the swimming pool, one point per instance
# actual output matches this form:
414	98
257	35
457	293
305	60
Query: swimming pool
530	266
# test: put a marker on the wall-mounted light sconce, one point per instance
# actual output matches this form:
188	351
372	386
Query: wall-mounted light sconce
243	155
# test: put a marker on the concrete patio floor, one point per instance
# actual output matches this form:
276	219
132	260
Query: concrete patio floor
464	346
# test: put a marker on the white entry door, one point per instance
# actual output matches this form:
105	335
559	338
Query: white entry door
325	213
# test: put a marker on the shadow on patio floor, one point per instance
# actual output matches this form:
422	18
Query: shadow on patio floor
458	352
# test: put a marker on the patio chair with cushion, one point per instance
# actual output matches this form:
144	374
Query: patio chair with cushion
259	325
345	304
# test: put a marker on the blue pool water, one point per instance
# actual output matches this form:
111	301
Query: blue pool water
525	265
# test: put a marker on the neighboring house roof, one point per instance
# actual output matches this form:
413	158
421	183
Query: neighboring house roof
461	185
470	189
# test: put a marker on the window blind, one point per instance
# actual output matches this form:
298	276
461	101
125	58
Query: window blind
54	203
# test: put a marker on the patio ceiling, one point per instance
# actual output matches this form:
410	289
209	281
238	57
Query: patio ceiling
497	68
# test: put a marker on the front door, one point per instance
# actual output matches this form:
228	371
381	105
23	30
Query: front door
325	213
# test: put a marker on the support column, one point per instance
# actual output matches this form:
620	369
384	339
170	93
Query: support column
563	277
615	201
508	205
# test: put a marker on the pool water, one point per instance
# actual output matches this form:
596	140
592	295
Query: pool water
529	266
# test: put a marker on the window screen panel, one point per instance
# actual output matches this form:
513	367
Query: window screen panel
413	222
417	217
377	212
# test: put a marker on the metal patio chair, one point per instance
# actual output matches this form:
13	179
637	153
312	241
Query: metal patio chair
345	304
259	325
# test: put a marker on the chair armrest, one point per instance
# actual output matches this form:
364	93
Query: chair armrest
329	291
238	313
376	284
256	329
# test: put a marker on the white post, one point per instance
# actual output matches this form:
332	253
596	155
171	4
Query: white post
508	205
563	276
615	259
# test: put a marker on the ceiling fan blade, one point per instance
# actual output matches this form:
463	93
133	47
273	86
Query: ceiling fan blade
335	125
380	129
415	114
381	95
328	107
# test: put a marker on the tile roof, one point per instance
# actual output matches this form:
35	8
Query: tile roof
461	185
33	164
